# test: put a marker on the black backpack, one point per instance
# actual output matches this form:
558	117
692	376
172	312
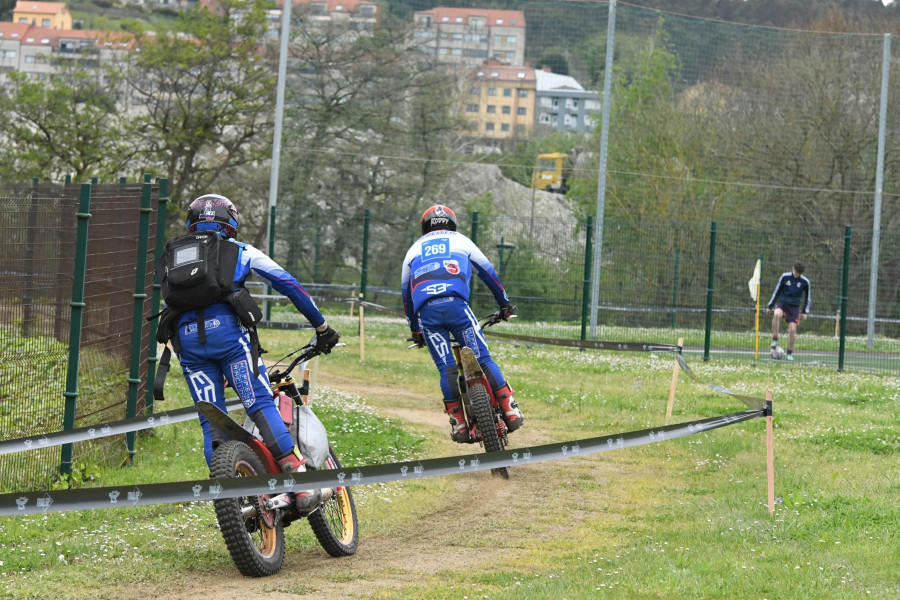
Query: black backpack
197	270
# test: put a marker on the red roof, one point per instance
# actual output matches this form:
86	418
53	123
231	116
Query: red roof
443	14
31	35
13	31
503	73
40	8
332	5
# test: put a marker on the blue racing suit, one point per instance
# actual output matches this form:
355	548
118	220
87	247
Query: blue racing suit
226	354
435	289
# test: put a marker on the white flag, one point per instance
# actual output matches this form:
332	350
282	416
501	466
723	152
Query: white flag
754	281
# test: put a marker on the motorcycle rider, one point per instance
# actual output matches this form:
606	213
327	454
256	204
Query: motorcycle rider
227	351
435	289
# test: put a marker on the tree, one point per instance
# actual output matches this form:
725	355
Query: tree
68	123
206	90
369	121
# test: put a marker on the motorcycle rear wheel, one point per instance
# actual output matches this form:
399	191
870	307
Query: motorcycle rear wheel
334	522
255	542
480	402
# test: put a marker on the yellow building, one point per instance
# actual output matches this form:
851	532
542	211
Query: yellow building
499	101
49	15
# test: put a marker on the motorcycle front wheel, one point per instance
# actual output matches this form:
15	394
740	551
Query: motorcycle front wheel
334	522
254	535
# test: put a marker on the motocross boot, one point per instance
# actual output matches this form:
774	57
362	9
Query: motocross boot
511	413
293	462
459	431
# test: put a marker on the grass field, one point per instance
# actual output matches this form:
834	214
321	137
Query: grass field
679	519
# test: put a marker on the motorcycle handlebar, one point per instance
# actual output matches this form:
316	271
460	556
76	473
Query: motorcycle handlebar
307	353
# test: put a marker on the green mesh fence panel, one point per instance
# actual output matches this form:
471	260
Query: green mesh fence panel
37	250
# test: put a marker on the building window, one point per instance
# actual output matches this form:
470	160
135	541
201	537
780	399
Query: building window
523	93
507	110
491	109
367	11
474	90
521	111
29	60
510	55
504	127
498	39
458	36
492	91
510	39
544	119
23	20
507	92
456	52
472	108
488	126
556	103
45	22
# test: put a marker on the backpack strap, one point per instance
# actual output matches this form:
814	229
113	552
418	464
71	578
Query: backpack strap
161	372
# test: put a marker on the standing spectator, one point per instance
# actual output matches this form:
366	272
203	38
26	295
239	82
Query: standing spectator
791	300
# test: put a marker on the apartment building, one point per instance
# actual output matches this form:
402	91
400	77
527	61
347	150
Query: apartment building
563	104
470	36
36	50
47	15
356	14
499	101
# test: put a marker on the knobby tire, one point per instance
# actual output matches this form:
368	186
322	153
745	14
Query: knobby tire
256	547
480	402
334	522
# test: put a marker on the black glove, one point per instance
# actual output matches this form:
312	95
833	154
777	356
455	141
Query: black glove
507	311
326	340
418	338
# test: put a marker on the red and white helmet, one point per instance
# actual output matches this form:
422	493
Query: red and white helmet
438	217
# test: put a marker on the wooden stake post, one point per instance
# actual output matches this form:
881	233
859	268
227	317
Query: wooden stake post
674	383
770	453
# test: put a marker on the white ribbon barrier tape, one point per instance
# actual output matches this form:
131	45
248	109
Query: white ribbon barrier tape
751	401
212	489
82	434
592	344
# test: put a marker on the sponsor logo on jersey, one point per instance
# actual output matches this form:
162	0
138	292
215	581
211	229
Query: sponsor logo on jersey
191	328
425	269
240	381
452	267
436	288
471	341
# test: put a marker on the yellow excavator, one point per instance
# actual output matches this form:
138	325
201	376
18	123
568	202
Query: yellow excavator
551	172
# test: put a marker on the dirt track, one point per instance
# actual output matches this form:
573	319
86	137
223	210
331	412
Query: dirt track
411	552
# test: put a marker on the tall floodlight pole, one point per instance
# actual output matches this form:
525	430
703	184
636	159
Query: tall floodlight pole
601	173
879	185
279	118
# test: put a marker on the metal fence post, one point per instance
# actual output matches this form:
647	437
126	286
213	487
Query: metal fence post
266	303
586	285
365	257
709	289
844	291
316	257
675	287
161	202
134	377
77	304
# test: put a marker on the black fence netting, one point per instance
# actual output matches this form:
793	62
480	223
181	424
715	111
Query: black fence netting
37	273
